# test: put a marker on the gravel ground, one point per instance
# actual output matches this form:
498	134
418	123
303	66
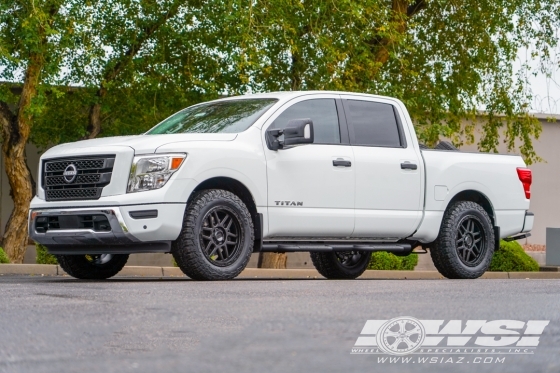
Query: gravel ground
53	324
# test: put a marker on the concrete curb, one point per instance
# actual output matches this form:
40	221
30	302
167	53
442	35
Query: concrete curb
258	273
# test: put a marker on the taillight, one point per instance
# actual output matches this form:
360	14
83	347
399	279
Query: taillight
526	178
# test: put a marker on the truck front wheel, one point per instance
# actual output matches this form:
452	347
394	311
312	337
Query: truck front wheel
216	241
92	267
465	245
341	265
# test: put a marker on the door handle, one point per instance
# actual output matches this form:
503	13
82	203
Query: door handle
408	166
341	162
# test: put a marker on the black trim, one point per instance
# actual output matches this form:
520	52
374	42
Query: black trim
527	213
143	214
292	247
257	245
409	166
152	247
342	124
341	162
400	127
518	237
496	238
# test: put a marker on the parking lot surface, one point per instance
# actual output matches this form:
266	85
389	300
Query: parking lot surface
58	324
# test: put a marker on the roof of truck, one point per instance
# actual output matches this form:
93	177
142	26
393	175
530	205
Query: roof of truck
283	95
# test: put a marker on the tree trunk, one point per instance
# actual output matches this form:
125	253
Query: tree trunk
94	126
273	260
15	133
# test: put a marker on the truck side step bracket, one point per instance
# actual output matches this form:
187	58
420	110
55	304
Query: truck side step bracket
400	248
518	237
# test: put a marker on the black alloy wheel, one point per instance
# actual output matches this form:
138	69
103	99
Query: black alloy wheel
350	259
219	236
471	242
92	266
341	264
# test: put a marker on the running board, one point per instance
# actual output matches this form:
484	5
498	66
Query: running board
518	237
398	248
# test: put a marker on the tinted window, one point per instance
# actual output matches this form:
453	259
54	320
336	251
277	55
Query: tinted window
323	114
374	124
230	116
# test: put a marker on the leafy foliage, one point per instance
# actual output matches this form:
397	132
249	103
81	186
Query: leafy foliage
3	257
43	256
445	60
387	261
117	67
143	60
512	258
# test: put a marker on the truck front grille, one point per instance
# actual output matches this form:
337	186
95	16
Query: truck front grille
96	222
77	178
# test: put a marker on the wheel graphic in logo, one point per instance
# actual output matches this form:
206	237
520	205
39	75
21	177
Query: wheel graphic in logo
401	336
70	173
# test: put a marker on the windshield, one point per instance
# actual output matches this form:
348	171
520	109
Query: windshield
231	116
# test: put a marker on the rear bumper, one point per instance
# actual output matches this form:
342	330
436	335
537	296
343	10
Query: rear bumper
132	228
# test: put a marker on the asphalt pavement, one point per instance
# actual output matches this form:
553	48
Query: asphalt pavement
58	324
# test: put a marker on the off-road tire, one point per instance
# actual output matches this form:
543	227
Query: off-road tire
444	251
82	267
329	266
187	249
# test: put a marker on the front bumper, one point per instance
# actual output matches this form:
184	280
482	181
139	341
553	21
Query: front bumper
124	229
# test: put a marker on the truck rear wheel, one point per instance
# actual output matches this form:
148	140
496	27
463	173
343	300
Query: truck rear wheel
216	241
92	267
342	264
465	245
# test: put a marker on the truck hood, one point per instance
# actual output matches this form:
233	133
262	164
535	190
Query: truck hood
145	144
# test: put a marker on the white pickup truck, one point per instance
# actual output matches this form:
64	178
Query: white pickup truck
339	175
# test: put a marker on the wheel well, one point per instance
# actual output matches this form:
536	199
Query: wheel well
477	197
240	190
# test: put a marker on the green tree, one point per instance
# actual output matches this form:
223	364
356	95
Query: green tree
448	61
145	60
33	40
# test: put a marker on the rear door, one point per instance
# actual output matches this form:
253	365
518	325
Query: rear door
311	187
388	201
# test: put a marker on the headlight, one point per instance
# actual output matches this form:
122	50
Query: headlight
150	172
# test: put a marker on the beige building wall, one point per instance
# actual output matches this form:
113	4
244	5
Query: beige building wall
545	201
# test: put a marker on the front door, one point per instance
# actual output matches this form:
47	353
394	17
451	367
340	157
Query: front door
311	187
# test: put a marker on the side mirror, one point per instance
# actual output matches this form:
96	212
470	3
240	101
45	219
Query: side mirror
298	131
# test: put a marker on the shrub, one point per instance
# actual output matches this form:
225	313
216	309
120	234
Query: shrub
387	261
512	258
3	257
43	256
